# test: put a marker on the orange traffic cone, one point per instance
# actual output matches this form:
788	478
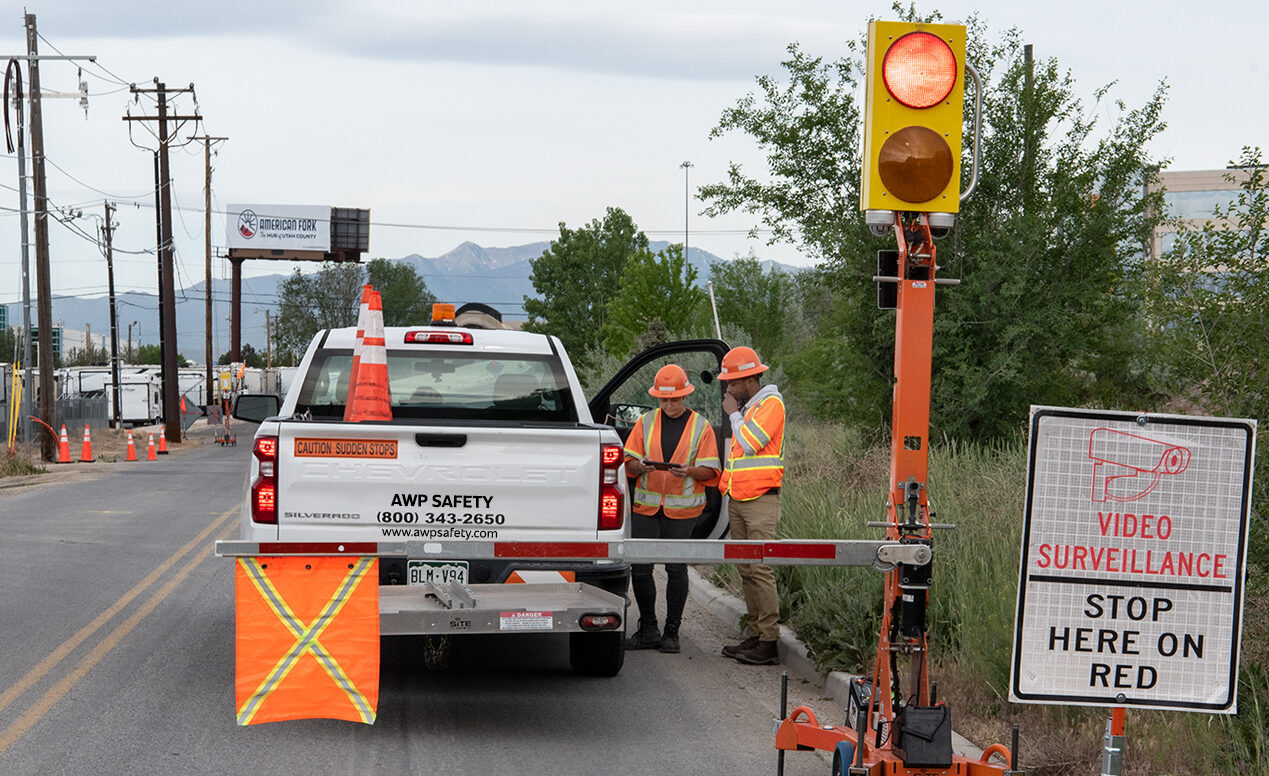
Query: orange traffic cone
86	455
63	448
132	448
369	397
149	450
162	440
366	293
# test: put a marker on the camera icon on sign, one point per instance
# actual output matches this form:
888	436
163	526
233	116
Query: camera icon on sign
1127	467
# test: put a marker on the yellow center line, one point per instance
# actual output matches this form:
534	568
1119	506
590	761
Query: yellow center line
41	707
58	655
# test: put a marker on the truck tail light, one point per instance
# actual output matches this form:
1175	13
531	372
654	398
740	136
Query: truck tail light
264	490
612	504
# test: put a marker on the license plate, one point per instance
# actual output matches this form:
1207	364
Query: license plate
441	572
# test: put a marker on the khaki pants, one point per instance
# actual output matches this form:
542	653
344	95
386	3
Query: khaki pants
757	519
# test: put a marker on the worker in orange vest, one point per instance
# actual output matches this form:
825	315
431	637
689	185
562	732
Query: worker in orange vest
674	454
752	477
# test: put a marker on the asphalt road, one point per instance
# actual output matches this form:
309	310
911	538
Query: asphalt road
116	657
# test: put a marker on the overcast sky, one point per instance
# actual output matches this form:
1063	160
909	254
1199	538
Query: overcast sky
495	121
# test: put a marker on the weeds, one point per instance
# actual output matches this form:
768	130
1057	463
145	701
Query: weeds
16	465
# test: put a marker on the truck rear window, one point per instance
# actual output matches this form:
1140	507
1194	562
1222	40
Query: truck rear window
446	386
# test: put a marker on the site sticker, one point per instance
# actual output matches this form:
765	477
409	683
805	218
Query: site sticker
1134	543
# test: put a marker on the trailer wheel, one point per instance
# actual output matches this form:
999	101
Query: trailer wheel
843	757
597	654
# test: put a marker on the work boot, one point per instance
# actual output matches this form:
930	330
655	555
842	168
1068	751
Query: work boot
670	639
647	637
731	650
765	653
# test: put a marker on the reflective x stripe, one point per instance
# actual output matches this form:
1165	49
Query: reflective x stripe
759	435
305	639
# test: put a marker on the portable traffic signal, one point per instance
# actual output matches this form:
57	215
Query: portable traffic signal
913	117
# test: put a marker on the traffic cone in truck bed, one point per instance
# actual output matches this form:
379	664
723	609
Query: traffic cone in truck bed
368	397
366	293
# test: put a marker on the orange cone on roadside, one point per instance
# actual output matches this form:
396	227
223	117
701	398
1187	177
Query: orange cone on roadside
132	448
63	448
366	293
86	455
369	397
162	440
149	449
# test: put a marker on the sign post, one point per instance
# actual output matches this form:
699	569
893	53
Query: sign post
1130	588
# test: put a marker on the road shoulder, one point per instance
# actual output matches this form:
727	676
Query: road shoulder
794	656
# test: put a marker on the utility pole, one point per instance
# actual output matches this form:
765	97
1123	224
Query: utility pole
107	230
268	342
207	275
167	285
44	314
43	284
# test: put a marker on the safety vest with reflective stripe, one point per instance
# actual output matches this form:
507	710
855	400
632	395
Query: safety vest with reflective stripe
755	463
681	498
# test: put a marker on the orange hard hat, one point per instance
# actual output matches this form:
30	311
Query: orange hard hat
741	362
671	381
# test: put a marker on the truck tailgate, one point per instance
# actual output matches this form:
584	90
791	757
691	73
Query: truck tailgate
364	482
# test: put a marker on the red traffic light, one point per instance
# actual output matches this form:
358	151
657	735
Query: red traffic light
919	70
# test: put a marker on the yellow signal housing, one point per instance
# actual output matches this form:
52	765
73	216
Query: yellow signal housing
913	117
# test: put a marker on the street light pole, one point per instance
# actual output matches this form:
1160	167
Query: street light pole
687	201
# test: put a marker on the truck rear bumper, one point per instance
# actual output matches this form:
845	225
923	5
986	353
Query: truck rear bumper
565	607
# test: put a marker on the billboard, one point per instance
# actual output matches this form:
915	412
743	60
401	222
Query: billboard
278	227
1130	588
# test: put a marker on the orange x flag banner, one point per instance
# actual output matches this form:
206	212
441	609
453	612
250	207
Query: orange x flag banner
307	639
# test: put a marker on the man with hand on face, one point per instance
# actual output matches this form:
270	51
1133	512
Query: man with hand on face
673	452
752	477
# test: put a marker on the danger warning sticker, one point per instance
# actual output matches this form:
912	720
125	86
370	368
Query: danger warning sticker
345	448
521	621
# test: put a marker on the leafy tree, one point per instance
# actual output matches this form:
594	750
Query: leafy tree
250	356
761	304
654	288
577	276
1049	245
406	298
330	298
88	355
150	354
1209	302
326	299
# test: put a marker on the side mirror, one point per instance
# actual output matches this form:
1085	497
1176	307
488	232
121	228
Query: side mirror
256	407
708	375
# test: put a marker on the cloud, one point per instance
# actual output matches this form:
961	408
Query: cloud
656	45
628	41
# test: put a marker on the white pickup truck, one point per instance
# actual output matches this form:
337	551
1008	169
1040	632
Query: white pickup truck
491	440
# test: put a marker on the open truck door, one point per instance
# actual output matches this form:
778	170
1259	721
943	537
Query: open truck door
625	397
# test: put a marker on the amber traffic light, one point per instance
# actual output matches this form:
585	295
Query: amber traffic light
913	116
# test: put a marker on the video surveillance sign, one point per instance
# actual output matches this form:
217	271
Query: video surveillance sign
1133	549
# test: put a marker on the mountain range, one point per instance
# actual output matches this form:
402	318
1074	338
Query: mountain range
469	273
